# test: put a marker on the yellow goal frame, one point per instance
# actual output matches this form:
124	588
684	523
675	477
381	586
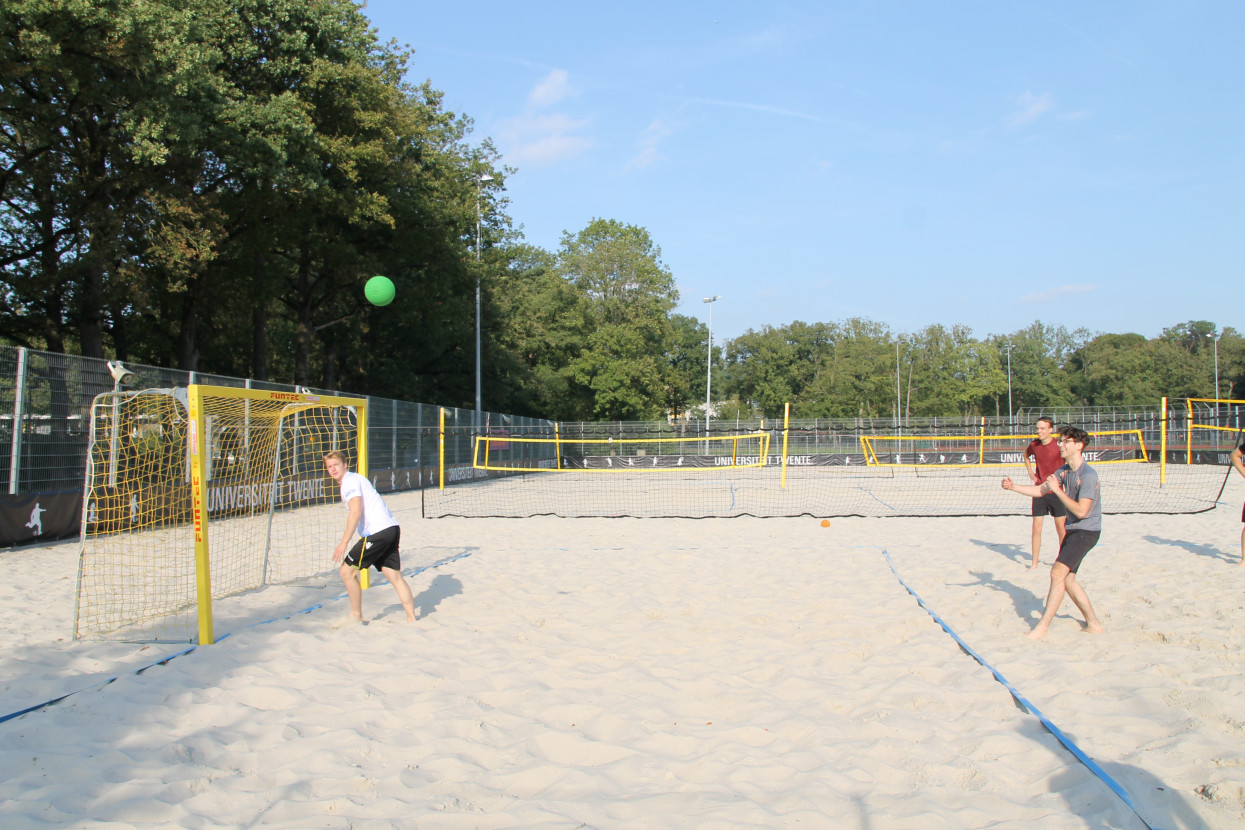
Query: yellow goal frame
872	460
296	402
483	441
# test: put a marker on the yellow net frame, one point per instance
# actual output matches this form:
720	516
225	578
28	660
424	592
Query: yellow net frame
873	458
200	493
483	450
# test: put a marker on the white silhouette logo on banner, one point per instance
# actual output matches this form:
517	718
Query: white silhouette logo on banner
36	519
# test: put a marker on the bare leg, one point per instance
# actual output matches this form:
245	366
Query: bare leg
1077	594
404	591
1054	599
1037	540
350	577
1061	527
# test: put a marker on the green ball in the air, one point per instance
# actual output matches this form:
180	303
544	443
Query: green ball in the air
379	291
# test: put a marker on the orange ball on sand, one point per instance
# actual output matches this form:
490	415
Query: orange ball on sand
825	522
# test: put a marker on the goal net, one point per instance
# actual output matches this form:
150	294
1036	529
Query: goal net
1197	438
820	472
516	475
193	495
1108	447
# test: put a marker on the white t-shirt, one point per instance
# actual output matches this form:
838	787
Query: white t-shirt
376	515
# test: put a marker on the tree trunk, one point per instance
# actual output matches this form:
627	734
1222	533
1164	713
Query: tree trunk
259	343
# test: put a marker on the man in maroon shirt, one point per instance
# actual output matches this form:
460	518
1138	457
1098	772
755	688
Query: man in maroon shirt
1044	451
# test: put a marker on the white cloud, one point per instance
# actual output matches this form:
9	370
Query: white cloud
552	88
542	139
1029	108
647	143
1057	292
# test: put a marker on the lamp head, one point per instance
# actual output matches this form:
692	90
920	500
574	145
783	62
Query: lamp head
120	374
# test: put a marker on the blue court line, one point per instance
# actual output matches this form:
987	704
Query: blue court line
163	660
874	496
1029	707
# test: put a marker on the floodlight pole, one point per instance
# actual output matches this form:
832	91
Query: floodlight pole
1216	339
1009	346
709	367
479	400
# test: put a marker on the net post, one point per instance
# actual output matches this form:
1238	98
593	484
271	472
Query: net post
198	508
1162	440
360	414
981	444
786	421
441	449
557	447
1188	432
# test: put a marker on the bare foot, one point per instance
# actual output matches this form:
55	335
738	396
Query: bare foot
1036	634
1032	567
347	622
1095	628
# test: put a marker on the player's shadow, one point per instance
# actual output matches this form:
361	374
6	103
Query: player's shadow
1209	551
442	587
1158	804
1023	599
1014	552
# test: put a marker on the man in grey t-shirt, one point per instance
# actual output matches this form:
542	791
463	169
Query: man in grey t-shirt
1076	486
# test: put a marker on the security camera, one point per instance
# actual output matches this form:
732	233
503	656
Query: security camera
121	374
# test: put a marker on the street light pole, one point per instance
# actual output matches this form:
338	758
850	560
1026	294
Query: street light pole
1009	348
479	399
1217	370
709	362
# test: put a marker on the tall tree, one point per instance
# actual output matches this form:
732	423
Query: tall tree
629	294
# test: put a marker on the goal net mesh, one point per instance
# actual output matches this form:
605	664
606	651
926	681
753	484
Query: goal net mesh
272	511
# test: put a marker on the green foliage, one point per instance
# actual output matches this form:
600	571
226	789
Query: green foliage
627	294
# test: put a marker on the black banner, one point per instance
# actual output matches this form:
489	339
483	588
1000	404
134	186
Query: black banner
40	517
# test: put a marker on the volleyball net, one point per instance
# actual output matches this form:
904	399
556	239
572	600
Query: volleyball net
822	472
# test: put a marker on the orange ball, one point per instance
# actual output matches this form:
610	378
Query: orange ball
825	522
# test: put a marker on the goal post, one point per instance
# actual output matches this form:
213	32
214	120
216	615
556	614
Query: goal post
196	494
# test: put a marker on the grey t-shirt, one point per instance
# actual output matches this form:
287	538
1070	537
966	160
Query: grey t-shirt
1082	484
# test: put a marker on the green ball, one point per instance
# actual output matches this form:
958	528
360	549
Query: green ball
379	291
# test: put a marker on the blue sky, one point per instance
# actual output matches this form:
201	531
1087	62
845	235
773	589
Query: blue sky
982	163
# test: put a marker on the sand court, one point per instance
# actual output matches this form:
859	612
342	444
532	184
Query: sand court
660	673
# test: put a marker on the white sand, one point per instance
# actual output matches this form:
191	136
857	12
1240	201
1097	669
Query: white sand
660	673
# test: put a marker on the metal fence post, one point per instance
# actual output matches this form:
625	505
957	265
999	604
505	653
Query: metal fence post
19	407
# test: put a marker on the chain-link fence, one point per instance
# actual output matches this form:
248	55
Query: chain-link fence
45	404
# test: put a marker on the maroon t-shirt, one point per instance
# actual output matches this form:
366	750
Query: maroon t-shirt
1045	456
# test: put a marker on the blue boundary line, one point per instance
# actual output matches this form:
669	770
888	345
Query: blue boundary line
163	660
1029	707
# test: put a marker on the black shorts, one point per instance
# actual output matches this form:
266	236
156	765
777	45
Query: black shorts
1075	545
1049	504
381	550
